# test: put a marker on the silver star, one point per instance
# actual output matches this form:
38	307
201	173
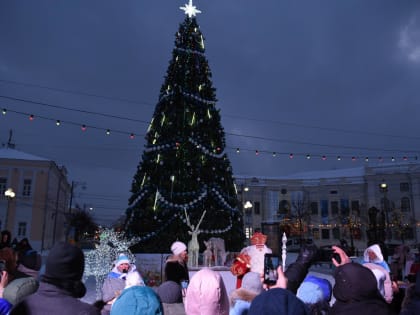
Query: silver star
190	9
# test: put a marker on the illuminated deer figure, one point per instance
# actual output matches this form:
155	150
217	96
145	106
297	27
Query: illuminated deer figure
193	245
99	261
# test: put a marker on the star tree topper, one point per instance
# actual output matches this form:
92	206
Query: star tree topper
190	9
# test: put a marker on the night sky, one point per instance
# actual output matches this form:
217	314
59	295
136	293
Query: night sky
333	78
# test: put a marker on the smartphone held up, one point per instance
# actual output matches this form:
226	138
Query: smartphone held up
271	262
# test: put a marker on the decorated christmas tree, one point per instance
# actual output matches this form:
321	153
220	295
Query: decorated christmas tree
184	170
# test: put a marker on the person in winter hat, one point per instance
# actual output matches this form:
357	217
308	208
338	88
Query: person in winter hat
373	254
176	268
61	286
240	299
137	299
115	282
277	300
14	285
280	298
206	294
122	267
251	258
374	260
316	293
355	289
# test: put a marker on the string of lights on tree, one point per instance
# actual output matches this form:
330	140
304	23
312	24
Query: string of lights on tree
99	261
184	168
216	151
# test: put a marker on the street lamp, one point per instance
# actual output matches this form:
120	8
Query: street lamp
10	194
247	209
247	205
384	189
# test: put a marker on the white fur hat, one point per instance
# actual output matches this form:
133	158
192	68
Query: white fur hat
178	247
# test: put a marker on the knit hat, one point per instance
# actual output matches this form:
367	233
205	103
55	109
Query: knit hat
137	300
178	247
65	263
252	282
354	282
122	259
314	289
310	293
277	301
170	292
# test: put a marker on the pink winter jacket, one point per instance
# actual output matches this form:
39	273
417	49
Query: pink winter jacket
206	294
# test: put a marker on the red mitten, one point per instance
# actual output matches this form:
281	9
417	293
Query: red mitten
241	265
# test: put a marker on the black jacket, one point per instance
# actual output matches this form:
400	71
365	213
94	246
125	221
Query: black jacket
356	292
176	271
50	299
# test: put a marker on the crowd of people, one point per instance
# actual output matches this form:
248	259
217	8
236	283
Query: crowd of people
19	270
363	287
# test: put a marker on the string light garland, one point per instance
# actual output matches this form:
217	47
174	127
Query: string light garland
83	127
131	135
324	157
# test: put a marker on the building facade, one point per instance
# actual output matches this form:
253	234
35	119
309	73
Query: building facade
354	205
38	206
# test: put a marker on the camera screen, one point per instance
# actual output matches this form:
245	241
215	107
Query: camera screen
271	263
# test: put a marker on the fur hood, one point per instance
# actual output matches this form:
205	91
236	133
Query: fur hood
377	250
241	294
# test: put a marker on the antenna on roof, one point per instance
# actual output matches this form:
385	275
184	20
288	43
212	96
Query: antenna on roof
10	145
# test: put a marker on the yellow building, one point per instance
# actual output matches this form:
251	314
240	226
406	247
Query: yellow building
37	200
